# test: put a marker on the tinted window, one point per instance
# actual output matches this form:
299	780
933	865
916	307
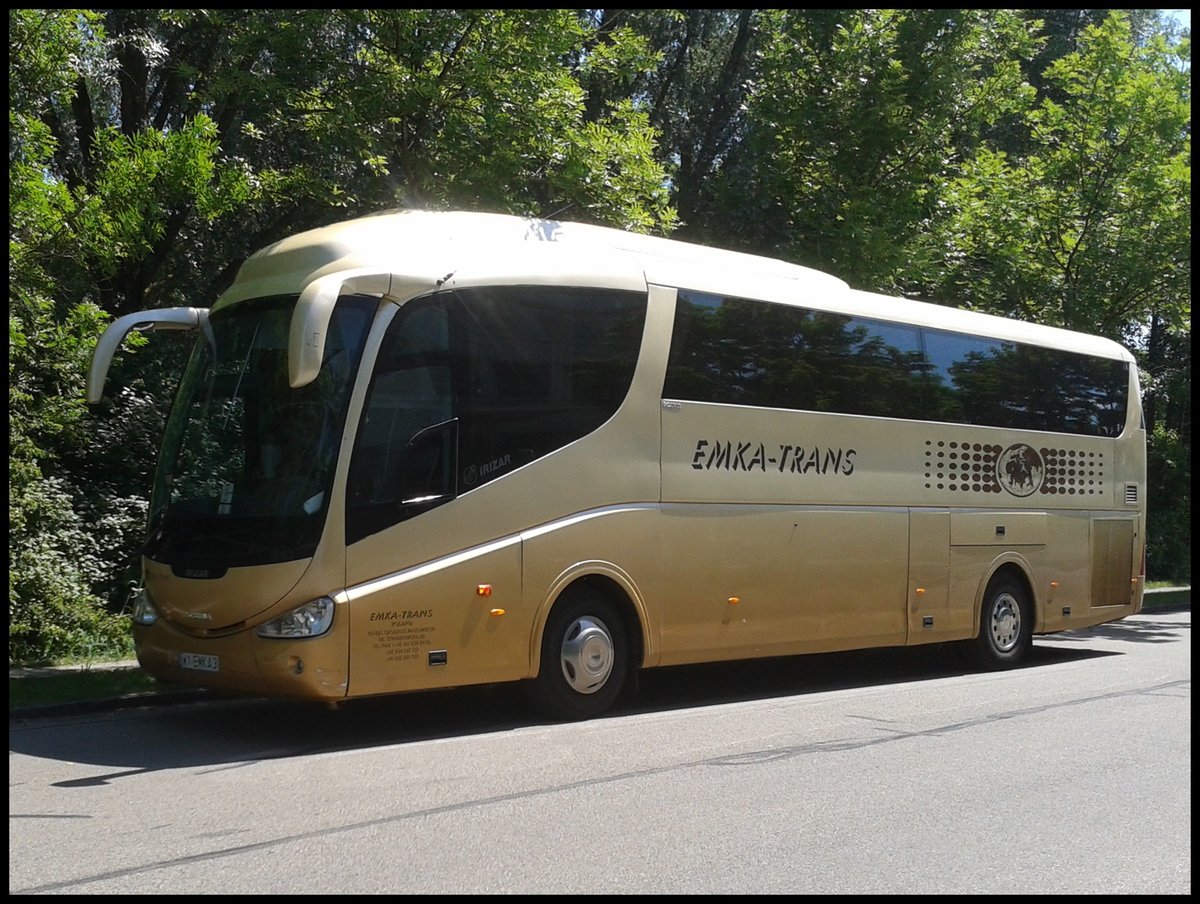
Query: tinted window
1006	384
745	352
778	356
471	385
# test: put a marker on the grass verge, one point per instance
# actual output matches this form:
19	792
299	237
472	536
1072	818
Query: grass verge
76	686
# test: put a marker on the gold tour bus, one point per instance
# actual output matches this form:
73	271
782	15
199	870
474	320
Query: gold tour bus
424	450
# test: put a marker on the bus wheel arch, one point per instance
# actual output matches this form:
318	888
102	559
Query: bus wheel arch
590	648
1006	619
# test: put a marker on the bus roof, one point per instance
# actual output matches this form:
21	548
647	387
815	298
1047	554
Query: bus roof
421	250
432	243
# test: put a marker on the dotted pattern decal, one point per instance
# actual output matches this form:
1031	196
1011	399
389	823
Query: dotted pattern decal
1017	469
1072	473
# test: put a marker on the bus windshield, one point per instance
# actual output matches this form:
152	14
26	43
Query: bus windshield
247	462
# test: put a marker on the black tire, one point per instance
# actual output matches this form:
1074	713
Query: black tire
1005	625
585	656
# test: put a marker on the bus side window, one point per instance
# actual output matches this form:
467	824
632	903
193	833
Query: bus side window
410	393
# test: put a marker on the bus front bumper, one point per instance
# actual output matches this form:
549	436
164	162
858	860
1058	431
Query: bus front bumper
243	663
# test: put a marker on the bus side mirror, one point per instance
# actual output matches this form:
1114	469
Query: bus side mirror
310	320
114	335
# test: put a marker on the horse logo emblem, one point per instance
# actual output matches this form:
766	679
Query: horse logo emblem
1020	469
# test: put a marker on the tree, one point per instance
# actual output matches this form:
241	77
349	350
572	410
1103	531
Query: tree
1030	163
852	117
695	94
1090	228
152	150
1086	224
52	610
1034	164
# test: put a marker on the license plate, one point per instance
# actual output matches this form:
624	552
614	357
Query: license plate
201	662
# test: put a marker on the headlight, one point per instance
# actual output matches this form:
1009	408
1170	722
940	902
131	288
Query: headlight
310	620
144	612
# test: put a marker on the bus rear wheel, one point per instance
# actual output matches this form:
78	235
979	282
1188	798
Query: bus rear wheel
585	655
1005	624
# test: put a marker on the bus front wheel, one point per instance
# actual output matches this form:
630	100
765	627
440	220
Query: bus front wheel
584	658
1005	624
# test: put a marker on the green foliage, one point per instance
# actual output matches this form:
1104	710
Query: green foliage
853	116
52	615
77	686
1169	531
66	245
53	565
151	150
52	610
480	109
139	180
1088	226
1033	163
691	75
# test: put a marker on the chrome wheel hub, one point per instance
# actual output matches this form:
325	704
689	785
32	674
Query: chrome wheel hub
1006	622
587	655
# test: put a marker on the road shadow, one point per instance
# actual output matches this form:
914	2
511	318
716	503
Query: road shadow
1145	628
224	732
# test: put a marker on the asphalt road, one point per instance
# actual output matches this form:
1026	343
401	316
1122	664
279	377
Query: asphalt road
886	772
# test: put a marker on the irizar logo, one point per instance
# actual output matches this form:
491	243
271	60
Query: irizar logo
474	473
1020	469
